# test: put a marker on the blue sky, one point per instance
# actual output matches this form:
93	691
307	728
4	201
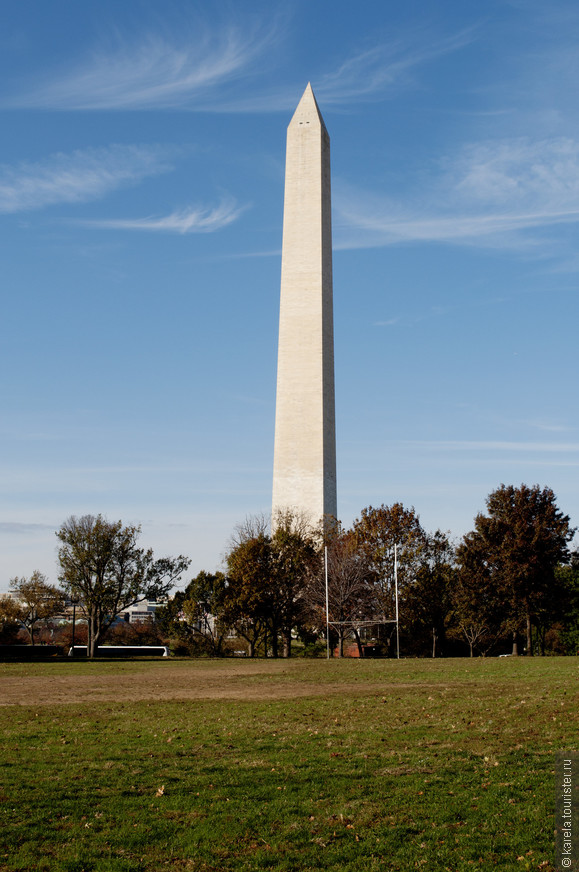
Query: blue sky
141	196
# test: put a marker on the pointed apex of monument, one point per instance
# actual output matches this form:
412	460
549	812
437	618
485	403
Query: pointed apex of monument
308	110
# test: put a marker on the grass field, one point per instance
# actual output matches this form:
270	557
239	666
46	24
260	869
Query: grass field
295	765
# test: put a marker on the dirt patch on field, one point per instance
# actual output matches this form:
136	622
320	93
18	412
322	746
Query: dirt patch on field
165	682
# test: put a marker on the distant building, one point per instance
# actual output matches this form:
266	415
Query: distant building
142	612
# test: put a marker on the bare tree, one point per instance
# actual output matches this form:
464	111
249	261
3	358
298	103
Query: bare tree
350	591
252	527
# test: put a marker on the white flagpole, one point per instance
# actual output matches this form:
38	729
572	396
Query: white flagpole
327	604
396	588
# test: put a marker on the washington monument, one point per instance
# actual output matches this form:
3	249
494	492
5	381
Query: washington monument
304	475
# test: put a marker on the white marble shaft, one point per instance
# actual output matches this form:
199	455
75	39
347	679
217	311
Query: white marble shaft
304	478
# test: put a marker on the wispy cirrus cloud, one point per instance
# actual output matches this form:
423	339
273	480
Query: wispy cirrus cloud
200	69
489	194
370	74
390	322
537	175
496	445
385	67
155	71
16	528
195	219
77	177
547	426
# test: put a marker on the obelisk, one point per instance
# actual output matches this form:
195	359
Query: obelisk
304	476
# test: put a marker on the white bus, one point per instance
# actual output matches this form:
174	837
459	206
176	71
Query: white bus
121	651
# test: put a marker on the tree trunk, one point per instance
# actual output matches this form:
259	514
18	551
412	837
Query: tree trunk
529	635
93	637
515	646
434	642
358	643
471	652
287	643
274	642
340	642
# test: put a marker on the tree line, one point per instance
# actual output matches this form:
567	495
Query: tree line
511	585
102	569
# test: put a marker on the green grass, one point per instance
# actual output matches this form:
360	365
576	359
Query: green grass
442	765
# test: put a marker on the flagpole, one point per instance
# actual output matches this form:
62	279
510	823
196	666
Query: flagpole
327	604
396	588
